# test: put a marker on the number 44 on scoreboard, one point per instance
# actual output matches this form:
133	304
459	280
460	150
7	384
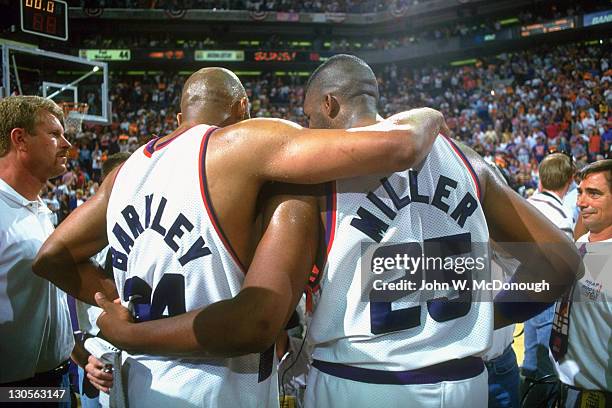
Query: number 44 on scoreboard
47	18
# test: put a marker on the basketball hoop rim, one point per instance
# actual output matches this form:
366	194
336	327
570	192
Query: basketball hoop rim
80	107
74	114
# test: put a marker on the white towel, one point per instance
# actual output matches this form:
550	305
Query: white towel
109	355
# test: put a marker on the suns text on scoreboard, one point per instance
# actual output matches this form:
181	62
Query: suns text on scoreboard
47	18
219	55
285	56
106	55
166	55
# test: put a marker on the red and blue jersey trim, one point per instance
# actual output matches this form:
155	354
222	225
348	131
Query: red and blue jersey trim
151	147
208	202
330	215
452	370
330	233
467	164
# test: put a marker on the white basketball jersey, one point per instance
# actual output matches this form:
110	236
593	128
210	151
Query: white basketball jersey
170	257
408	213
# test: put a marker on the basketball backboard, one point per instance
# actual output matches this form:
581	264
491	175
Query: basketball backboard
61	77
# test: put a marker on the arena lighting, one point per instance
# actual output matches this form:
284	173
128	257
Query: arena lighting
76	81
247	73
508	21
458	63
153	73
292	73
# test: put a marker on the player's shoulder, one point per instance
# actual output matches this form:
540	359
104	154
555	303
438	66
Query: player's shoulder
247	142
470	154
256	126
481	168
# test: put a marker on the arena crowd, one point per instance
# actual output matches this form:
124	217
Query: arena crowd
512	109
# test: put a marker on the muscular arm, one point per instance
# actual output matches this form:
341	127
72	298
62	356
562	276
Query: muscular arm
283	151
64	258
251	321
544	251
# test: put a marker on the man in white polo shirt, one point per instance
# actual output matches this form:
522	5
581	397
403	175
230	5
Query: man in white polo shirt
556	175
581	340
35	334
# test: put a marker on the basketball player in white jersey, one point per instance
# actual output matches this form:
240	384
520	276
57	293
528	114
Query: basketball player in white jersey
181	225
385	362
390	353
581	339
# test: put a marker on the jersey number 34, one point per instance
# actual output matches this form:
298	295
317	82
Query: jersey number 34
148	305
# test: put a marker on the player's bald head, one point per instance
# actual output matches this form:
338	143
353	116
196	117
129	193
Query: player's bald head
213	96
340	92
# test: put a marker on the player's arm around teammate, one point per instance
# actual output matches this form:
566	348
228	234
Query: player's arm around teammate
548	255
279	150
257	151
252	320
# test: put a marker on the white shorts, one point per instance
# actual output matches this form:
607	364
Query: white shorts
324	390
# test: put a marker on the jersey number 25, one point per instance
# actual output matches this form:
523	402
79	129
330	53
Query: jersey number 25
383	319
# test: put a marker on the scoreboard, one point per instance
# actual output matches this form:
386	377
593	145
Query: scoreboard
547	27
47	18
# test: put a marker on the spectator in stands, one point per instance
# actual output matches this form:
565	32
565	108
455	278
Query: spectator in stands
556	173
538	96
607	139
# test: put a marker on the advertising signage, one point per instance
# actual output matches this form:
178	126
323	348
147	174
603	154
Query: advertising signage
219	55
602	17
106	55
548	27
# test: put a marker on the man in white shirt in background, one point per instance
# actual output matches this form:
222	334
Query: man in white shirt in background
556	175
53	204
581	340
34	321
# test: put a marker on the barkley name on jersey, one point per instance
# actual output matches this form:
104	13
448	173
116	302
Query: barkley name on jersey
177	229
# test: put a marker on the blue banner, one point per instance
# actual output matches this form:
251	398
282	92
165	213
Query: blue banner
602	17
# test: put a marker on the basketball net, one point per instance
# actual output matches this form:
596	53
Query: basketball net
74	113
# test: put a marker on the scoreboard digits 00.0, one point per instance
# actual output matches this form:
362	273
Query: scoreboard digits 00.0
47	18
